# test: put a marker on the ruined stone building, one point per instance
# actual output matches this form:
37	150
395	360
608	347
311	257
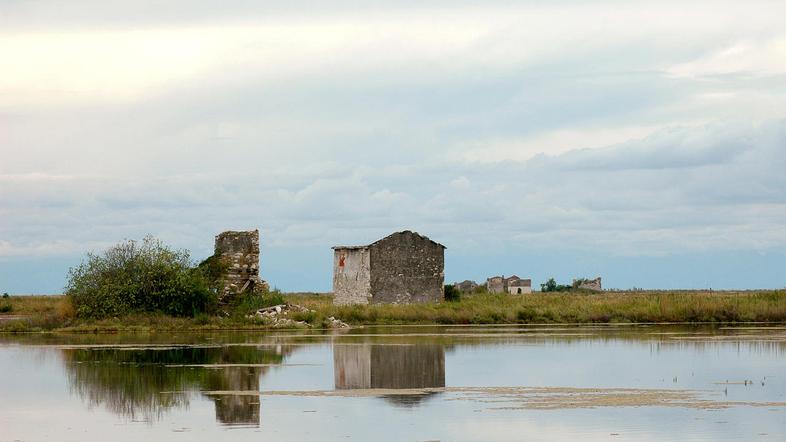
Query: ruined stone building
466	286
495	284
520	286
238	253
404	267
512	284
588	284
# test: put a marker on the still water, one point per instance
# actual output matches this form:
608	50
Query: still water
619	383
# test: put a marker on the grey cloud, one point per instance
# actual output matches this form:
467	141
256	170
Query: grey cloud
348	153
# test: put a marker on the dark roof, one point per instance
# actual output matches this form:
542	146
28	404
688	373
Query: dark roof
403	232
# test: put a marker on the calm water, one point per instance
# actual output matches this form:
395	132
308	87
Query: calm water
643	383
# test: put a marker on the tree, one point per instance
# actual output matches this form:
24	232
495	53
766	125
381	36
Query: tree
552	286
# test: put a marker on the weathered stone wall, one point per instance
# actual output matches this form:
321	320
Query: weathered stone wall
495	284
351	276
466	286
588	284
238	251
520	288
407	267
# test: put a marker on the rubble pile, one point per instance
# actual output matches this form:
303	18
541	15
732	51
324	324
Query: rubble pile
276	316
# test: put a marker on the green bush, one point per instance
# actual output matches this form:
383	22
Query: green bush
552	286
6	295
6	308
452	293
144	276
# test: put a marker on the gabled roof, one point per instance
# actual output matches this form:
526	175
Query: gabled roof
403	232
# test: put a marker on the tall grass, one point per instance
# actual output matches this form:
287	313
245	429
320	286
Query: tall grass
55	312
668	307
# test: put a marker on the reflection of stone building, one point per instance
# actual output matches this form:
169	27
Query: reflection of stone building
388	366
237	409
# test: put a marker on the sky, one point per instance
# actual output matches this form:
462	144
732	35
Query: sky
644	142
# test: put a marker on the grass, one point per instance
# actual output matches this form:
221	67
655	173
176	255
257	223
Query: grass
45	313
571	307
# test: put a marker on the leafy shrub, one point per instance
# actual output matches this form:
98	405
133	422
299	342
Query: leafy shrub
6	308
144	276
452	293
6	295
552	286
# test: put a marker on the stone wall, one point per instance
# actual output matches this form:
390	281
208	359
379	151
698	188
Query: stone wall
407	267
351	275
520	287
495	284
588	284
466	286
238	252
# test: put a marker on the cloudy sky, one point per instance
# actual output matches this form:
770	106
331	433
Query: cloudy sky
644	142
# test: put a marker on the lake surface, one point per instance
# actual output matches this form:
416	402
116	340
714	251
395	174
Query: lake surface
555	383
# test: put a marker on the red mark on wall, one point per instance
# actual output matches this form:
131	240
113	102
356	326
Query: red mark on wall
341	260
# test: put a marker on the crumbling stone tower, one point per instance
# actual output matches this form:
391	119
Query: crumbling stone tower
238	252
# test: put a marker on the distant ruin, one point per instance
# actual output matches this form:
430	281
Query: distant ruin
466	286
520	286
588	284
512	285
401	268
238	253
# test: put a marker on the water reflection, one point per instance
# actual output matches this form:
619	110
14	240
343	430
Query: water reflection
324	385
377	366
143	383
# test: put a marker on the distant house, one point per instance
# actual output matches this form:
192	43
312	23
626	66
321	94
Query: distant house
401	268
520	286
501	284
466	286
495	284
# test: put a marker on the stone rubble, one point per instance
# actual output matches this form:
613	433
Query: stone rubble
276	316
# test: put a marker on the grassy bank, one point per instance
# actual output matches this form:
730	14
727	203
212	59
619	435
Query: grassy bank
54	313
669	307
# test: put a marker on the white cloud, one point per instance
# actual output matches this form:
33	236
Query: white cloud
611	127
752	58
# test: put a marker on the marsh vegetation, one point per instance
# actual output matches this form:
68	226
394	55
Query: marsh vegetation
56	312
